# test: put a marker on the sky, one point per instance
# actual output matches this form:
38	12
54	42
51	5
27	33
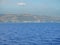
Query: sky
34	7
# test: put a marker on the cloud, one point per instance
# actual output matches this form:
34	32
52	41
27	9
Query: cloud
21	4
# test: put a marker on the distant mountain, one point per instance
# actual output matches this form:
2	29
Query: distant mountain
27	18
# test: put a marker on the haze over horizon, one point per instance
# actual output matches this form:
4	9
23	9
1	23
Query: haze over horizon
34	7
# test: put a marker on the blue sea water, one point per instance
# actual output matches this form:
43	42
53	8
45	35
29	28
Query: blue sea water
29	33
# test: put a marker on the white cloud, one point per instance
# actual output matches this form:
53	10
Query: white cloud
21	4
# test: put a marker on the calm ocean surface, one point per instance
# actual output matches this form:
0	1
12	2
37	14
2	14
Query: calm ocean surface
29	33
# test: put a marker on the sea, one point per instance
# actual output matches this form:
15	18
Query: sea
29	33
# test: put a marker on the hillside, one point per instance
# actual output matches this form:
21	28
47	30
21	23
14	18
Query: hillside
27	18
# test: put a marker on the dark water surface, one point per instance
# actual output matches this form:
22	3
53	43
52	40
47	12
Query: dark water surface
29	33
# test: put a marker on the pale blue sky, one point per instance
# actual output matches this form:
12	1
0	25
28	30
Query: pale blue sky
34	7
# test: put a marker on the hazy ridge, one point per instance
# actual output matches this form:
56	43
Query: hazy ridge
27	18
